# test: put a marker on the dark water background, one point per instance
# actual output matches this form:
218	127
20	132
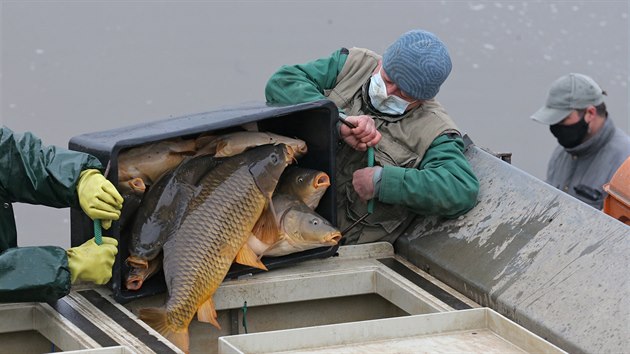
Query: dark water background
70	67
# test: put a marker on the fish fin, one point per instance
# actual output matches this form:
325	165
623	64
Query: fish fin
246	256
258	226
266	227
207	313
271	233
273	211
156	318
256	245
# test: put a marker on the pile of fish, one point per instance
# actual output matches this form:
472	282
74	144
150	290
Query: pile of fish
224	199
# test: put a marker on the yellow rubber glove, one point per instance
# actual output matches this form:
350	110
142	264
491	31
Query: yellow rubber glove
98	197
92	262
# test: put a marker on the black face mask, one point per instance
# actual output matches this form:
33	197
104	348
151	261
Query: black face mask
570	135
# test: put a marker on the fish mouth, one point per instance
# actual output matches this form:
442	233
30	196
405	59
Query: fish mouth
322	180
334	238
134	283
140	270
137	185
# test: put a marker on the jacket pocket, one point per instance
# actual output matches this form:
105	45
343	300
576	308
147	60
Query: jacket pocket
390	152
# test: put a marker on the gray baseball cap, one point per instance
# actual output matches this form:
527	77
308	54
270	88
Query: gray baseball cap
568	93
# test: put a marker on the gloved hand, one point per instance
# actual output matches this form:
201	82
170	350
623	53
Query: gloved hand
92	262
98	197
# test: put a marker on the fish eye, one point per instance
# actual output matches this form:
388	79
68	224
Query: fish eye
274	158
315	222
300	179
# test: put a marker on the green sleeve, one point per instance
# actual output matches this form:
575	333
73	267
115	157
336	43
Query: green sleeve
293	84
444	184
34	274
37	174
47	175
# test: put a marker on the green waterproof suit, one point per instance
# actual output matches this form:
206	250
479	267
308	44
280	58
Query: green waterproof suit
424	169
35	174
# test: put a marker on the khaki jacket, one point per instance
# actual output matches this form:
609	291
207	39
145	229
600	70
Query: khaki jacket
405	139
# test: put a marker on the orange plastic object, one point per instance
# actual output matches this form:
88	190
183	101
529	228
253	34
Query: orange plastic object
617	203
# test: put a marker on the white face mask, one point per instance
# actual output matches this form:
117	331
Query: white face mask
391	104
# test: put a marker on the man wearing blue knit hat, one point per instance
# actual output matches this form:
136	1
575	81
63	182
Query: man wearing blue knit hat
389	101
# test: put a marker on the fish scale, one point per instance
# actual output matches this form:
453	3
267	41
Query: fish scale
159	215
225	234
217	224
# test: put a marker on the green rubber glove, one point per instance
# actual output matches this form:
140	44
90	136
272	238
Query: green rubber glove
98	197
91	262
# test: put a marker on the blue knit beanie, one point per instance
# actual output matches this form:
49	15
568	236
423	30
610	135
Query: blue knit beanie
418	63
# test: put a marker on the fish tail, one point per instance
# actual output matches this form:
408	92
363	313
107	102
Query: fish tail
156	318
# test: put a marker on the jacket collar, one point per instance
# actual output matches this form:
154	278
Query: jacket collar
596	142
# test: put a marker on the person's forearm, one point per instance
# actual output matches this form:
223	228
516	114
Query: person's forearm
444	185
34	274
293	84
39	174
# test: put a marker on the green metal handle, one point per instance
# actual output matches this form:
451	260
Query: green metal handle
98	237
370	157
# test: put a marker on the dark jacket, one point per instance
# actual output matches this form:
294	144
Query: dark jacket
35	174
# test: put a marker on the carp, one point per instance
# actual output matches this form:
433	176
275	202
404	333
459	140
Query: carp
307	184
214	232
301	229
231	144
160	214
150	161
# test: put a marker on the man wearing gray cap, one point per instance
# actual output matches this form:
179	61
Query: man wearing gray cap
590	148
389	103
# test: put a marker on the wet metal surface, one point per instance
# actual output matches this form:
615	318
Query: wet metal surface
538	256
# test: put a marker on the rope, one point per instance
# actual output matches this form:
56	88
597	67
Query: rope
245	316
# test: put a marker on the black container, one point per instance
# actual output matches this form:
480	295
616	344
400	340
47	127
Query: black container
312	122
